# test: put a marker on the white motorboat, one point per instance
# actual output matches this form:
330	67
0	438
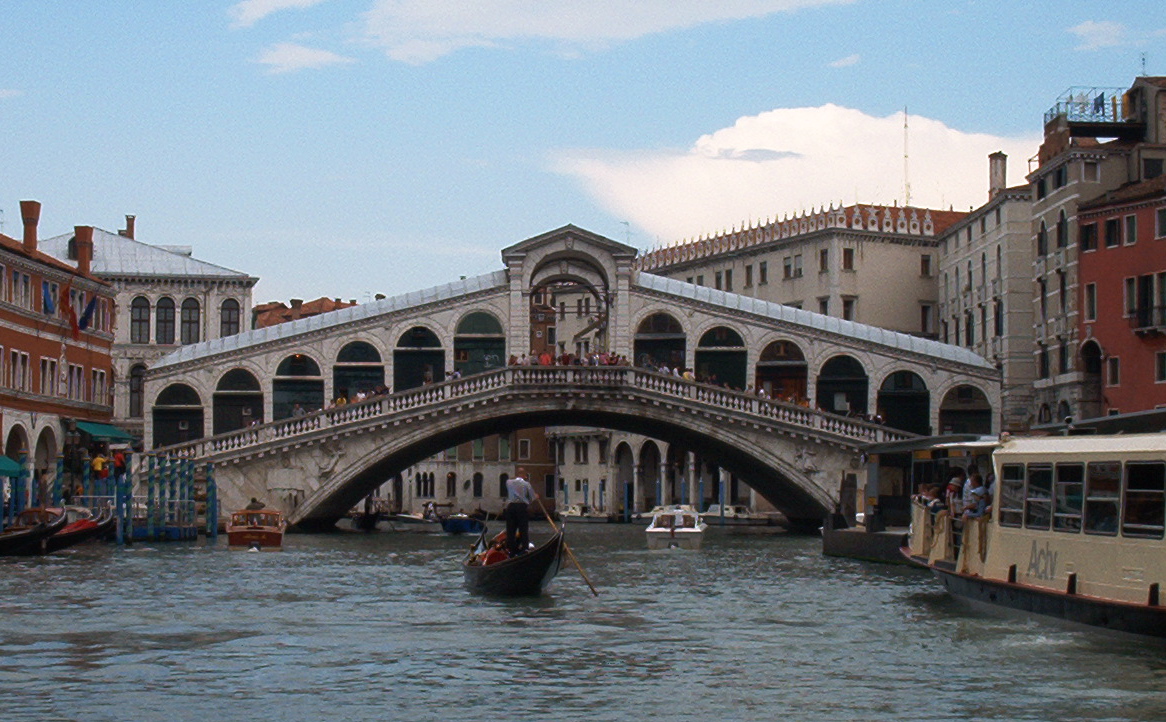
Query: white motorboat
675	527
582	513
735	515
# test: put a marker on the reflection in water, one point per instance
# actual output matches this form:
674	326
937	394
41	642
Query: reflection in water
352	626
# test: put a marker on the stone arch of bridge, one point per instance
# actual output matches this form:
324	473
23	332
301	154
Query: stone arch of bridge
773	466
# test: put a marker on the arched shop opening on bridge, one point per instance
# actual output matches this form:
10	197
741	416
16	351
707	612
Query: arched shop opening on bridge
660	340
721	358
782	371
237	401
905	403
965	410
479	344
358	368
566	314
842	386
297	381
418	359
178	415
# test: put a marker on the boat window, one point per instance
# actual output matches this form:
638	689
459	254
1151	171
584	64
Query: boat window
1102	497
1145	501
1012	495
1038	504
1068	497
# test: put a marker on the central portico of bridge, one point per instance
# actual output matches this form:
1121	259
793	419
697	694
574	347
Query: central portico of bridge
255	403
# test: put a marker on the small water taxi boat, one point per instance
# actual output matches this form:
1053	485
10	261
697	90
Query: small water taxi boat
675	527
461	524
256	529
82	526
488	570
29	535
582	513
1074	530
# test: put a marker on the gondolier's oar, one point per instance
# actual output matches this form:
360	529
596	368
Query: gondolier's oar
567	548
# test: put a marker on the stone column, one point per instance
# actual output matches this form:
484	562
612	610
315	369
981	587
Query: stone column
691	481
723	497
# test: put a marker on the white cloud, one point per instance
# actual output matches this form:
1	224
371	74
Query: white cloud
9	93
787	160
289	57
419	31
1096	35
846	62
249	12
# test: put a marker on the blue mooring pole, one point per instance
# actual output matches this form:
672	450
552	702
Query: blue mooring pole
21	486
212	504
151	476
127	511
59	482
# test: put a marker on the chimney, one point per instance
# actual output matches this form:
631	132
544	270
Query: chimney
84	236
30	214
296	303
128	231
997	174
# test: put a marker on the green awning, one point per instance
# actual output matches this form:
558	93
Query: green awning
103	432
8	467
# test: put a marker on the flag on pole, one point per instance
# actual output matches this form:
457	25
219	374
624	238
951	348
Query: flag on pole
67	311
87	315
47	304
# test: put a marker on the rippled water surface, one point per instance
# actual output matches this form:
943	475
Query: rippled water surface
363	627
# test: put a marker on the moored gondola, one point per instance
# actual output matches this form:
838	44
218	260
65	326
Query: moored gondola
81	527
525	575
29	535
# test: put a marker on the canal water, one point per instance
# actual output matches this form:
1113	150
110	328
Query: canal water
377	626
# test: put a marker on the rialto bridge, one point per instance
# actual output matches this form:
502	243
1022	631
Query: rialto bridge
259	404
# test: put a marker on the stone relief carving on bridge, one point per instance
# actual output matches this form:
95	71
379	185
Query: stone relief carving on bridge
806	461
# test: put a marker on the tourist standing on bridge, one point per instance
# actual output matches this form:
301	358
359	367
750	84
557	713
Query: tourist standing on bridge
519	495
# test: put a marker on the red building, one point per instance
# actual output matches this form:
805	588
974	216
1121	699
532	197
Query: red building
55	339
1122	277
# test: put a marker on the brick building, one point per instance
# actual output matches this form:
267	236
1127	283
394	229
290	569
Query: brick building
56	335
1122	276
1096	140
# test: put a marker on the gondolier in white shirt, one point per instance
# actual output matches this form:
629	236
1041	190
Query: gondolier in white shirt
519	495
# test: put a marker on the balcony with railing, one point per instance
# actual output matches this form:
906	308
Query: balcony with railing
1148	320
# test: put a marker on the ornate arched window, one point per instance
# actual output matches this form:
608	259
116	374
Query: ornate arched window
140	320
229	318
190	321
164	321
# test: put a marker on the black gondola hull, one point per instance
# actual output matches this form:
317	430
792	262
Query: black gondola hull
526	575
30	540
64	539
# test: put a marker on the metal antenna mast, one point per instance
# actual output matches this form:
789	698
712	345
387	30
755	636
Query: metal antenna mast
906	166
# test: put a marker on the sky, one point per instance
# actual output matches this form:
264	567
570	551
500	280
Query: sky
345	148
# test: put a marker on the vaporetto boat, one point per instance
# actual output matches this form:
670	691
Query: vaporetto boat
1075	531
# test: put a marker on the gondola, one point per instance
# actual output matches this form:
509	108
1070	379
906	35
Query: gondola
526	575
81	528
30	534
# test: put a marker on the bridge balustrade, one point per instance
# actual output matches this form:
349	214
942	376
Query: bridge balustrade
519	377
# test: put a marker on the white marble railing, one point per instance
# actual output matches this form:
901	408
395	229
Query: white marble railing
517	378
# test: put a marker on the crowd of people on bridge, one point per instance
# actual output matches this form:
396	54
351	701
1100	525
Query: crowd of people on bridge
546	358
